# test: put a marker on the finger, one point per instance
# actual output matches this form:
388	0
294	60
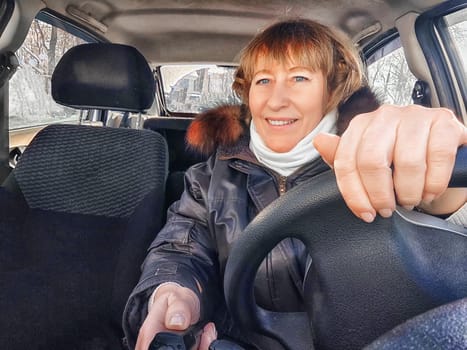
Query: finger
208	336
374	159
446	135
180	314
326	145
409	161
153	324
347	175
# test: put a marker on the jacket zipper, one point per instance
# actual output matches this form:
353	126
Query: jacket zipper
282	185
281	179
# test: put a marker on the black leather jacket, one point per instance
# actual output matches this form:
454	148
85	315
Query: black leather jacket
222	195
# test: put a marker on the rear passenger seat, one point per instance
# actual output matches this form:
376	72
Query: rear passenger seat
180	156
80	209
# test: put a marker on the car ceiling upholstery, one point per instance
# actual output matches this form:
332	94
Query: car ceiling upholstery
216	30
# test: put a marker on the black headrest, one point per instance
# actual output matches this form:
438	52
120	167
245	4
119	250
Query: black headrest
104	76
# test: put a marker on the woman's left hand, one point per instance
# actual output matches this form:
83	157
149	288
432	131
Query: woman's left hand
394	154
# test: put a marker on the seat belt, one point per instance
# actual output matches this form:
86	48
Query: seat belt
8	65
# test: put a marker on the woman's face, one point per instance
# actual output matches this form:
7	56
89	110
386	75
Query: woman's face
286	101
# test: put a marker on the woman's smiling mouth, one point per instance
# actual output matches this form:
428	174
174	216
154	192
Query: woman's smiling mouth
276	122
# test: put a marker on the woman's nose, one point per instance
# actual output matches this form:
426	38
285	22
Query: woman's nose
279	96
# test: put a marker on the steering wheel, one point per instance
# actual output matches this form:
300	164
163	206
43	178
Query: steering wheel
364	279
442	328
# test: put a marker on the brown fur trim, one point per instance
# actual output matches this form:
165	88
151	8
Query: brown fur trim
224	125
221	126
361	101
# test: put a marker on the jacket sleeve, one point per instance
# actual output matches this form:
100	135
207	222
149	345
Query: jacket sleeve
184	252
459	217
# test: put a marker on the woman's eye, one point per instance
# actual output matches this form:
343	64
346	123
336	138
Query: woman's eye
300	78
262	81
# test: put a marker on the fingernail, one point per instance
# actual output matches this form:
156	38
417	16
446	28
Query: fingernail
367	217
408	207
385	213
212	330
428	198
177	320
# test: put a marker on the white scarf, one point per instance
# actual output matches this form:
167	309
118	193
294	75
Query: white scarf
303	152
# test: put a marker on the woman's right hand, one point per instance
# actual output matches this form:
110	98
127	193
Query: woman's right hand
175	308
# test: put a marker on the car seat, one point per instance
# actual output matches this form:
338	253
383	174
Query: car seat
80	209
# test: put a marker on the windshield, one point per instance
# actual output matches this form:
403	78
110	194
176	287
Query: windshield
195	88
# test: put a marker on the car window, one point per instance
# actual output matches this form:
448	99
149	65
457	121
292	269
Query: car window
389	74
455	30
194	88
30	100
458	35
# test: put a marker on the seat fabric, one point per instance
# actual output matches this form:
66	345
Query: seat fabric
72	238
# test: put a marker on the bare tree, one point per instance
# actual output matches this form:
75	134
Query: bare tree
30	90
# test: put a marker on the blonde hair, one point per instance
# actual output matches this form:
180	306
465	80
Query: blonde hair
310	44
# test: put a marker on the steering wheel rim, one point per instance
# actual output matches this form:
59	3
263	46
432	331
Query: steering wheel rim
429	330
317	196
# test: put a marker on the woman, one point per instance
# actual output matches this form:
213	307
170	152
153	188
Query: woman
302	84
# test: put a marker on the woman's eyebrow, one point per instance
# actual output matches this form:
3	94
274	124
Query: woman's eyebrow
300	68
261	71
